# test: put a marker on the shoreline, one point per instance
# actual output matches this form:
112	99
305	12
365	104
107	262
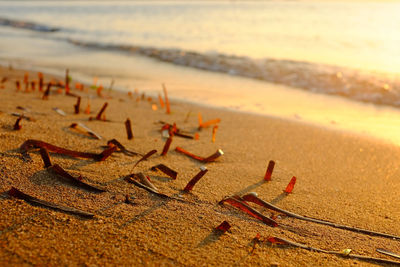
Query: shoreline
218	90
341	177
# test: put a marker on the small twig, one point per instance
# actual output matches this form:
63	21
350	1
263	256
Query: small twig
45	157
211	158
122	148
77	106
17	125
269	171
387	252
148	155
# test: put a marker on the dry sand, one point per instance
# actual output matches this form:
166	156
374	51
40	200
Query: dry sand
341	177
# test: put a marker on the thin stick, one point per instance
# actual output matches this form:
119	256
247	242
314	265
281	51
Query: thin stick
45	157
85	130
195	179
269	171
122	148
77	106
17	125
128	127
346	253
166	99
256	200
168	171
148	155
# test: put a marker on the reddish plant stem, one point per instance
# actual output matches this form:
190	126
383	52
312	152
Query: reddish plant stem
249	210
47	92
45	157
76	181
98	116
166	146
77	106
17	125
29	144
195	179
269	171
148	155
290	186
128	127
223	227
168	171
14	192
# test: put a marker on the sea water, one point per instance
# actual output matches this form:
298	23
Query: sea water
333	63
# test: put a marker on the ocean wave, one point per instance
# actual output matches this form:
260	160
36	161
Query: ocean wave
27	25
376	88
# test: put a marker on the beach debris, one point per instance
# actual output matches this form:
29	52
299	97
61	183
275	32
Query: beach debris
290	186
161	101
345	253
47	92
236	202
214	132
40	76
168	109
195	179
122	148
60	111
223	227
14	192
26	81
129	200
99	90
252	197
128	127
167	128
77	106
145	157
131	179
168	171
80	127
76	181
45	157
387	252
100	116
33	85
145	180
17	125
15	114
18	85
31	143
211	158
67	80
207	123
269	171
87	110
167	145
154	107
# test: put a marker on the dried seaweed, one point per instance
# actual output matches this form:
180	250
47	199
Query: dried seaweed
168	109
223	227
85	130
252	197
17	125
346	253
100	116
122	148
76	181
30	144
167	145
290	186
234	201
45	157
269	171
195	179
128	127
14	192
168	171
77	106
148	155
211	158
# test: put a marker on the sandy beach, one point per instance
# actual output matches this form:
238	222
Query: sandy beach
341	177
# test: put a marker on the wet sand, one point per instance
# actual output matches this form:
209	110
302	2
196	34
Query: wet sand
341	177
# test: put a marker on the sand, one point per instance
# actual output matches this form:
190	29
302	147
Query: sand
341	177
